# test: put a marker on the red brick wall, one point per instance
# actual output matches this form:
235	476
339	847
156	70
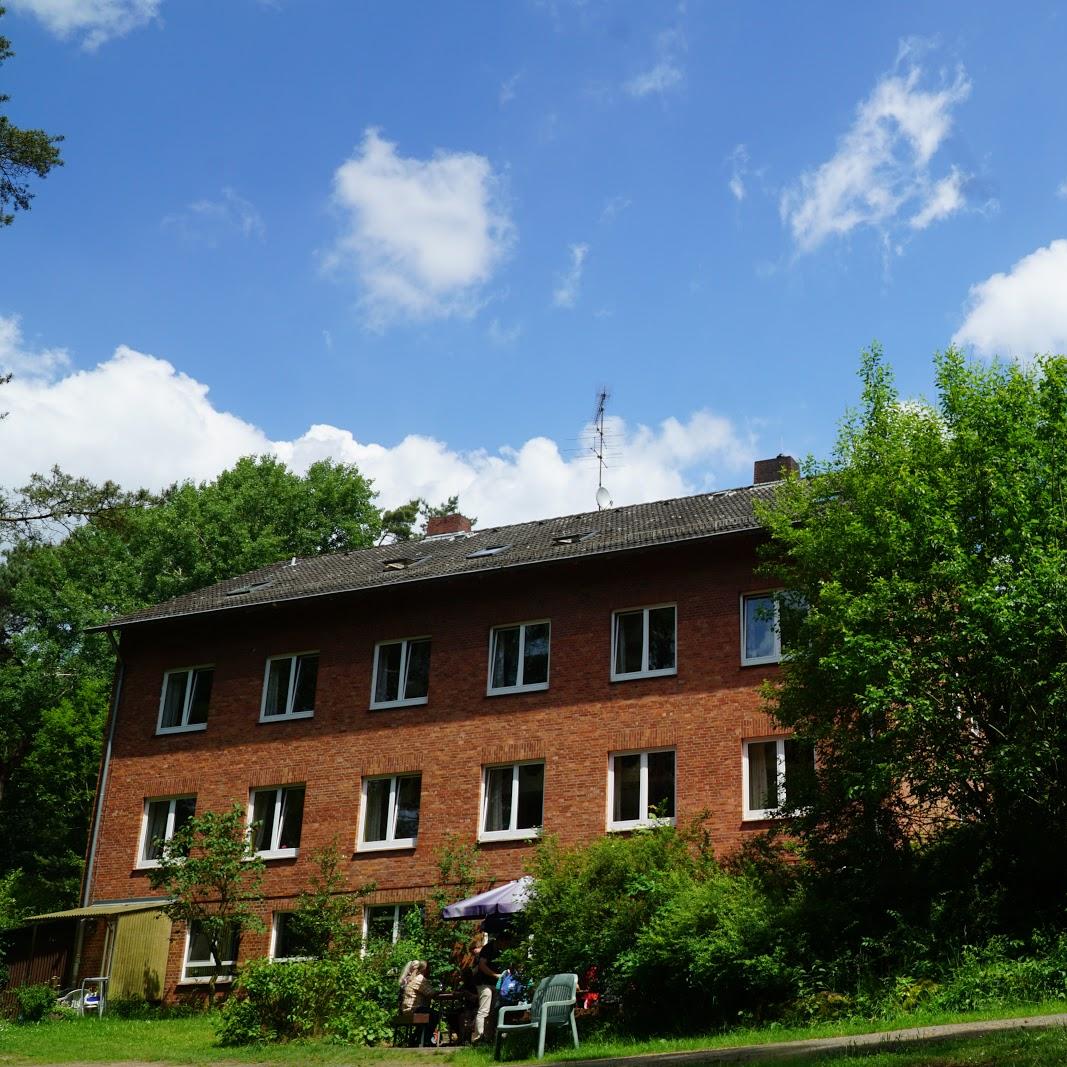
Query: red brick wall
703	712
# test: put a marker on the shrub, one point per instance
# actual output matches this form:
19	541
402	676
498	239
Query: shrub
35	1002
350	998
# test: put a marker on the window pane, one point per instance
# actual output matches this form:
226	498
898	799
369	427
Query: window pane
184	810
174	699
199	947
661	639
289	939
292	817
200	963
629	641
381	922
535	655
759	627
531	795
376	822
156	829
278	686
763	776
627	788
263	819
387	686
498	798
418	680
201	696
408	790
799	771
307	673
661	785
506	657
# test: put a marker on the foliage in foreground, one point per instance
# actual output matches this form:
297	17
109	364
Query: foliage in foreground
349	998
926	565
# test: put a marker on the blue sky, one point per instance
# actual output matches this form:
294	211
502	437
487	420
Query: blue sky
419	237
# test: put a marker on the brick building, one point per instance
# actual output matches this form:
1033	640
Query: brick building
583	674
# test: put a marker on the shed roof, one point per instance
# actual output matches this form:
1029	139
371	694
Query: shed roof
496	548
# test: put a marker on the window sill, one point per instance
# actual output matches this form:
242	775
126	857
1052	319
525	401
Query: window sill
386	846
277	854
162	731
146	865
762	816
761	661
286	718
537	687
222	978
637	824
386	704
489	836
644	674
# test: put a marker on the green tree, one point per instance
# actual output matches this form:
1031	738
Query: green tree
214	881
326	918
22	153
926	645
122	552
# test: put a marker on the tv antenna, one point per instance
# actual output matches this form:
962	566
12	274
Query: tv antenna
603	497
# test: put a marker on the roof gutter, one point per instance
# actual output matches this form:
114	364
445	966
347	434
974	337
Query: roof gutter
738	529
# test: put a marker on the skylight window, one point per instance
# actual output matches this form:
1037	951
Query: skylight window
573	538
400	564
249	588
491	550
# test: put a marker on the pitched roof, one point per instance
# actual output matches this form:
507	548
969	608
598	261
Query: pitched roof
497	548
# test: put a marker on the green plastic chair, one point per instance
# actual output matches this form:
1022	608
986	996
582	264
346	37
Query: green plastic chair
551	1005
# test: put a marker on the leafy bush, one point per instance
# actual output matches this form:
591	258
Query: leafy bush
997	974
349	998
35	1002
674	937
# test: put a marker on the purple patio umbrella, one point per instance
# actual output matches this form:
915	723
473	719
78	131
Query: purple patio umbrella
503	899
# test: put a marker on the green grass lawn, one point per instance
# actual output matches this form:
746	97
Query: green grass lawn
192	1041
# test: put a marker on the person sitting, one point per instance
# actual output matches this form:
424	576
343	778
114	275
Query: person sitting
416	993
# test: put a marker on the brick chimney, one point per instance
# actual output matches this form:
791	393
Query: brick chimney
774	470
447	524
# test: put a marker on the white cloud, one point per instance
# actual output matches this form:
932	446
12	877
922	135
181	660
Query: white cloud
137	419
568	284
613	207
738	160
1061	190
507	89
1022	312
666	73
881	169
95	21
207	222
945	198
423	237
16	359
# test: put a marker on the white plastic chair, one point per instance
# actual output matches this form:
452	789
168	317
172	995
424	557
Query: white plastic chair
552	1004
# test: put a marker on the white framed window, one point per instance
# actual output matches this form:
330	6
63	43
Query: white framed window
641	789
643	642
513	797
289	687
199	964
761	639
389	814
773	770
162	817
384	922
286	940
275	817
401	673
183	704
518	657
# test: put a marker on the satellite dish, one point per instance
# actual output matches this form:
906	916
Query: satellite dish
603	498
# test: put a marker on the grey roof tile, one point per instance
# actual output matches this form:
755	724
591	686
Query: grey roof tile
597	532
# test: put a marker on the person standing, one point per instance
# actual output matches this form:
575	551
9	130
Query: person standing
487	975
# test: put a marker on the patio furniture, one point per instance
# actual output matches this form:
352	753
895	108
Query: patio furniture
551	1005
